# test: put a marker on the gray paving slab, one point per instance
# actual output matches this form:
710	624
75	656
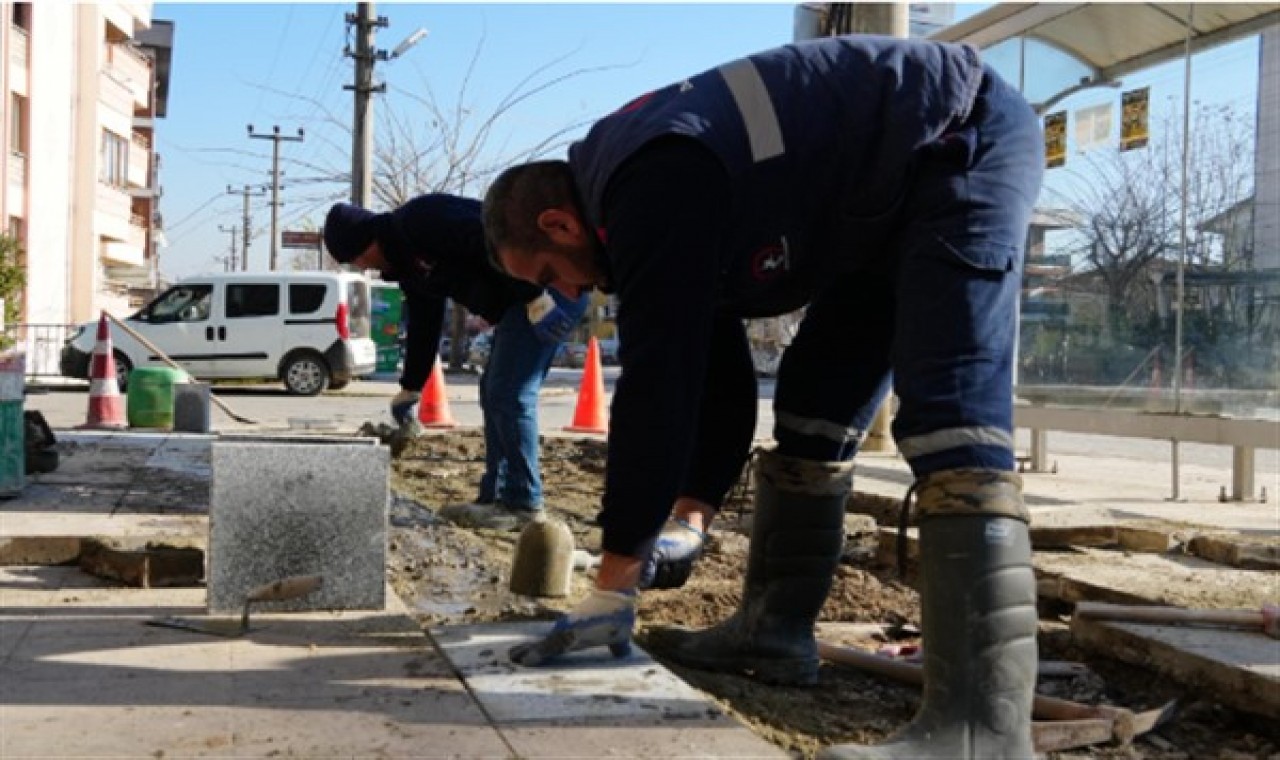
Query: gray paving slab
284	509
591	704
88	678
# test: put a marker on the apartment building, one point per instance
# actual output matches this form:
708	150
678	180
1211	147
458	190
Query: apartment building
82	85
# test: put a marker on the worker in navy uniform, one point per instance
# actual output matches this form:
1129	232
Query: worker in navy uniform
886	185
433	246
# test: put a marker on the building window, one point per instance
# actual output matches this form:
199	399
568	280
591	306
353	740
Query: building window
22	16
17	124
115	159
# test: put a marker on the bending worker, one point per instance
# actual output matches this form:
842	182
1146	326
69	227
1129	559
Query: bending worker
434	247
887	185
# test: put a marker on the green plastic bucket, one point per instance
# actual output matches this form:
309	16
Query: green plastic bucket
149	400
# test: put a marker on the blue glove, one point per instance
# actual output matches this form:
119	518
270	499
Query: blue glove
605	618
554	316
670	563
402	406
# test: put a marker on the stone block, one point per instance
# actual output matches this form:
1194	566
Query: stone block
1235	552
1150	540
286	508
1062	537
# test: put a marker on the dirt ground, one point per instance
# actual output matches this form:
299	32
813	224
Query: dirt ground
453	575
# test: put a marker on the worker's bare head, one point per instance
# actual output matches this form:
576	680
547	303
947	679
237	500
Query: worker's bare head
535	231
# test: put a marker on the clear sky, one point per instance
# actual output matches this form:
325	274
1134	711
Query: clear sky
236	64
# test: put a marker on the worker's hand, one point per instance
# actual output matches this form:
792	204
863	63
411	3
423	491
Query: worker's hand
670	564
605	618
402	405
551	322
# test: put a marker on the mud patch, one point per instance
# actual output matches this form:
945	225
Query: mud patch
450	575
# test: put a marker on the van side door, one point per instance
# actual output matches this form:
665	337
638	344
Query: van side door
177	322
250	333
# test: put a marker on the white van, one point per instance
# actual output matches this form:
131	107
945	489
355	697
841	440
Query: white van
310	330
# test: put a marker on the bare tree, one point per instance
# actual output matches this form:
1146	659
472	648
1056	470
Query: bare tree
1131	204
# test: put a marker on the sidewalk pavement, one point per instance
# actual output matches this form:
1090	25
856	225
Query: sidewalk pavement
82	675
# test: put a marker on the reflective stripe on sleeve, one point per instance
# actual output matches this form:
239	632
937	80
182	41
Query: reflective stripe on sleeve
752	99
817	428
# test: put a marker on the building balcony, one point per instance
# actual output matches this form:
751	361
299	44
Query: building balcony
17	180
19	54
130	252
139	169
115	95
132	69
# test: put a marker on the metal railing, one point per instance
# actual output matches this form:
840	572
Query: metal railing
42	344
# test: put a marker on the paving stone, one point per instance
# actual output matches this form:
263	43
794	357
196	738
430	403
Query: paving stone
1233	551
1237	668
284	509
1061	537
1152	540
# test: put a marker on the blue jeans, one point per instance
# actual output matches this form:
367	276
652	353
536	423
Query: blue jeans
935	314
518	363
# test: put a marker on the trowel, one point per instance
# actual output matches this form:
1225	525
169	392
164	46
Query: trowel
292	587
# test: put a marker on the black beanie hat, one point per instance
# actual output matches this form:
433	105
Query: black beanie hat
348	231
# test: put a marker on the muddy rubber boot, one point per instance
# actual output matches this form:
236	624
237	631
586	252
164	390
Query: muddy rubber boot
796	537
978	600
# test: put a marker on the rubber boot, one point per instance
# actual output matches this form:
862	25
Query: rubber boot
979	628
796	537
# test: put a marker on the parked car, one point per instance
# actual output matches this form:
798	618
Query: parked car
310	330
608	351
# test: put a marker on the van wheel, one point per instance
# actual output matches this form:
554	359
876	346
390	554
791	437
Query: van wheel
305	374
123	368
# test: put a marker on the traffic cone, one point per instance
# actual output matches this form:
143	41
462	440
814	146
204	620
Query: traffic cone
590	416
433	409
106	407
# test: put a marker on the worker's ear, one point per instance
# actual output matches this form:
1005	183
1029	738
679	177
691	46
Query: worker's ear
561	226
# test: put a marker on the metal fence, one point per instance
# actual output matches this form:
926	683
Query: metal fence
42	344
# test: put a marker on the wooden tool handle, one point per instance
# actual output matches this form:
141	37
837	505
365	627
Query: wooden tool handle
286	588
162	356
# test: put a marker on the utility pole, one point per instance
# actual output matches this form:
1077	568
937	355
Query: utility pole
245	225
366	55
276	138
231	263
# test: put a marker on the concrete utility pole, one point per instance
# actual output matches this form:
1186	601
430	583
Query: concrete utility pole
245	226
366	55
231	262
276	138
892	19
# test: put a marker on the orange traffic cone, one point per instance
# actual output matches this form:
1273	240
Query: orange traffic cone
590	416
433	409
106	407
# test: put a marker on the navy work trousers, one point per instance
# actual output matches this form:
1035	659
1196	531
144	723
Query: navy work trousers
934	314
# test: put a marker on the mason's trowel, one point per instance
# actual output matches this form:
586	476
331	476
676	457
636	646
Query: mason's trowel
292	587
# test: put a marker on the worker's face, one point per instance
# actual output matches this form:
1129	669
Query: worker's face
372	258
565	262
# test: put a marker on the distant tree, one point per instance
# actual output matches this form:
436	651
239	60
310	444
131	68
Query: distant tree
1131	207
426	143
13	281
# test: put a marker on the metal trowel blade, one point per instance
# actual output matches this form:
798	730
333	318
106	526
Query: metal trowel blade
228	629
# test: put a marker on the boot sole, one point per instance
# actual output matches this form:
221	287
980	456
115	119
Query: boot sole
784	672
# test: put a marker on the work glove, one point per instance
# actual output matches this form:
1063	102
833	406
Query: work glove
402	406
670	563
551	321
605	618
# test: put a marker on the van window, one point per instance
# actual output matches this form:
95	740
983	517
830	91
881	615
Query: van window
253	300
306	298
358	316
183	303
